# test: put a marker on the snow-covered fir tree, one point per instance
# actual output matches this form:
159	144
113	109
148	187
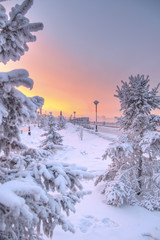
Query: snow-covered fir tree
52	137
134	174
61	121
42	120
34	192
15	108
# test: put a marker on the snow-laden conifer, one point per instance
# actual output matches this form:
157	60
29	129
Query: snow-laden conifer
134	174
15	108
34	192
42	120
52	137
61	122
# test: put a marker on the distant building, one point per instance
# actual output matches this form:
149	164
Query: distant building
80	120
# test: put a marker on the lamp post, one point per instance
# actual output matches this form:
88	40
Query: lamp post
96	103
38	117
29	130
74	117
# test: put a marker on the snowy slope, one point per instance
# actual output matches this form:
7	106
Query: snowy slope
94	220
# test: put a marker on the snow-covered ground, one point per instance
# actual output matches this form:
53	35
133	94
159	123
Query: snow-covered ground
94	220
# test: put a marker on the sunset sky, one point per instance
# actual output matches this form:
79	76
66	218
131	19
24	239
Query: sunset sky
86	48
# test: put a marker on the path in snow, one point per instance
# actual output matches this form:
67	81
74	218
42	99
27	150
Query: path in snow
87	152
33	140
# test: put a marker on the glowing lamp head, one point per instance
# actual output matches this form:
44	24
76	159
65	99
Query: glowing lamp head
96	102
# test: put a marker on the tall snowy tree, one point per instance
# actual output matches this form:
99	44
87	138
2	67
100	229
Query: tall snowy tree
15	108
52	137
61	121
34	192
42	120
134	174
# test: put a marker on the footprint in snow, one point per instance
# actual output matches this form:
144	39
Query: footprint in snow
109	223
91	223
85	225
83	152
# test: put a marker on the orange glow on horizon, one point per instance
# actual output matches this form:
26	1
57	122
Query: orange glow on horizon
65	83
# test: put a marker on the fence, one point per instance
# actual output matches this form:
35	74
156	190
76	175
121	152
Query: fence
106	124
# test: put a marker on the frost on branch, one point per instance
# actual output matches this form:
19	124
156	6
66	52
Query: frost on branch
134	174
16	32
38	194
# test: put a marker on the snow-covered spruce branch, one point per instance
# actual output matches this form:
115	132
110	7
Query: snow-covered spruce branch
15	107
16	31
38	195
118	189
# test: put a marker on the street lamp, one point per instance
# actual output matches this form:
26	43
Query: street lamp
38	117
96	103
29	130
74	117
